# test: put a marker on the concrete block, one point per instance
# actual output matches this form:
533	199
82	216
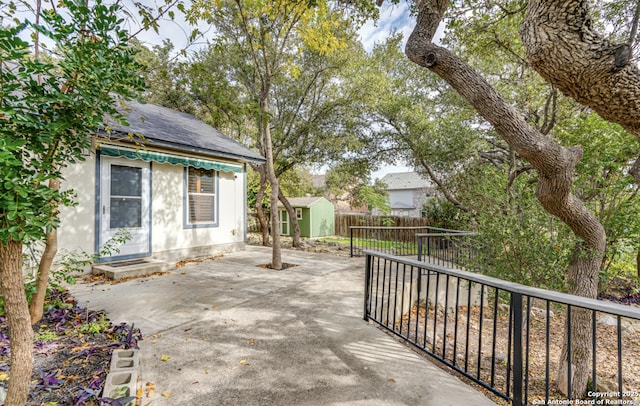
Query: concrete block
121	384
124	359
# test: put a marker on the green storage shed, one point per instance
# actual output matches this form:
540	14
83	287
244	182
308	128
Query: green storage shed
316	217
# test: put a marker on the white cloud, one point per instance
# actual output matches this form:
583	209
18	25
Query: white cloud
393	17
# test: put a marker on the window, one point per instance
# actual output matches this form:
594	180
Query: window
126	197
201	196
299	213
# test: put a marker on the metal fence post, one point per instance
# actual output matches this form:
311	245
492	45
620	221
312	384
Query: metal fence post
516	305
351	242
367	282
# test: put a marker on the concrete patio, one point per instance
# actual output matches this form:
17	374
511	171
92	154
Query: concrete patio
229	332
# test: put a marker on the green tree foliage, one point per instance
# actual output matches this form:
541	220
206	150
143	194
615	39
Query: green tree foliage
350	181
48	111
434	128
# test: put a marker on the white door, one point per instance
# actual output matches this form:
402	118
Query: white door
125	204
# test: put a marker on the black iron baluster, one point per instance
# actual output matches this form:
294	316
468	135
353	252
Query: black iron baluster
481	318
446	309
516	303
526	362
593	357
495	330
455	326
546	359
569	351
619	331
367	282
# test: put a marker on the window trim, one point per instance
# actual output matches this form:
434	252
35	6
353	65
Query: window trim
216	197
298	213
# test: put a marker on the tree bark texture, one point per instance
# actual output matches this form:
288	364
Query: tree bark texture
293	220
555	164
563	47
20	331
262	219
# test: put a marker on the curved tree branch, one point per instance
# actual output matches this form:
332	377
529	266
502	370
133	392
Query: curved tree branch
554	163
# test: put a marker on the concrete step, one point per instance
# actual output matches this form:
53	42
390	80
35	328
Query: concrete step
133	268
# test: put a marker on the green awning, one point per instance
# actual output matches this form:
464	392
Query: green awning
154	156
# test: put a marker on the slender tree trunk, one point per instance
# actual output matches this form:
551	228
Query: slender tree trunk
293	220
555	166
36	307
262	219
276	251
20	331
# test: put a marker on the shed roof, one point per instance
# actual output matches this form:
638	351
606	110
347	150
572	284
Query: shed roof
171	129
405	180
303	201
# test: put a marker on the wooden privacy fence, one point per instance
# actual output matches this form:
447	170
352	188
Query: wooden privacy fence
344	221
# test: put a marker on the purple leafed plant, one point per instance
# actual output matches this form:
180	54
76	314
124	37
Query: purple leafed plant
126	336
47	380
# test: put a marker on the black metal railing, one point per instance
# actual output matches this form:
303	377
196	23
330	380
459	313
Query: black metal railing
451	248
402	241
505	336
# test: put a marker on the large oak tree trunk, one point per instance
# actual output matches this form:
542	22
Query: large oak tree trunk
582	280
19	322
555	164
564	48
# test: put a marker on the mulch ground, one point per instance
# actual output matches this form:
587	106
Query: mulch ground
72	353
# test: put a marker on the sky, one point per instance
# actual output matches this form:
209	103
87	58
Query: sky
393	17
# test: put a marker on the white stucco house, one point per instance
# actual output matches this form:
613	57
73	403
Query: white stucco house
408	192
180	190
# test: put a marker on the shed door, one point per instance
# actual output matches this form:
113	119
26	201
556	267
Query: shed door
125	204
284	222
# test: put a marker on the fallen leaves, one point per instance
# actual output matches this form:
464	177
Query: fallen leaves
165	357
150	387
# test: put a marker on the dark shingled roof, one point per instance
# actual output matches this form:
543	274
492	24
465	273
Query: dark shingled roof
163	127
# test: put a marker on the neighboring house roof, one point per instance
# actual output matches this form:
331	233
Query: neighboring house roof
405	180
302	201
171	129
